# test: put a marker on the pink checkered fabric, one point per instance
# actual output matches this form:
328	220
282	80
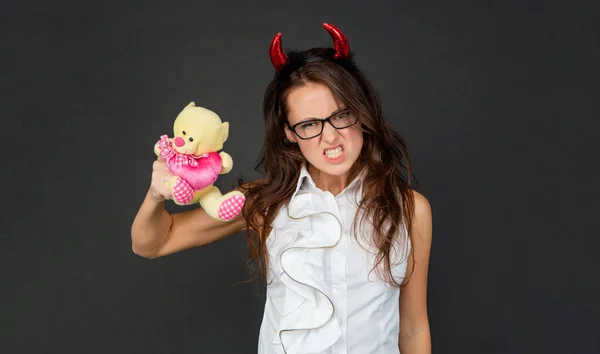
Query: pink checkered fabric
182	191
231	207
167	152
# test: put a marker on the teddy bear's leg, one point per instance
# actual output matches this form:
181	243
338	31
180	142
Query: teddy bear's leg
222	207
231	205
196	197
210	199
181	190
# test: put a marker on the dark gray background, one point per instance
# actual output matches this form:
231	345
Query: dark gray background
497	101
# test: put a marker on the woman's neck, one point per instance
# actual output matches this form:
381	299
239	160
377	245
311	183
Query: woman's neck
330	183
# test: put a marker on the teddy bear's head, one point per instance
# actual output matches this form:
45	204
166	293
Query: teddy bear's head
198	130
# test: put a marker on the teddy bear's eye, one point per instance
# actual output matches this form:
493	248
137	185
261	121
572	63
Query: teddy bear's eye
191	139
183	132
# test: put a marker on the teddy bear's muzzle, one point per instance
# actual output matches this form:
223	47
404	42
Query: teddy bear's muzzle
179	142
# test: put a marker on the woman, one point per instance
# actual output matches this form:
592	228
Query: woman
341	238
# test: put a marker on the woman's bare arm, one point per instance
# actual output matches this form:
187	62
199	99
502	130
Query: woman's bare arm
156	233
415	336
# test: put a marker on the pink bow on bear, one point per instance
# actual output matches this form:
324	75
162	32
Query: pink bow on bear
167	152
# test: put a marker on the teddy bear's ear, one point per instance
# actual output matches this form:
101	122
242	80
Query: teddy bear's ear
224	131
192	104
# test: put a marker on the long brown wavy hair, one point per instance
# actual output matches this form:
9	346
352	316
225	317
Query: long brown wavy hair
387	201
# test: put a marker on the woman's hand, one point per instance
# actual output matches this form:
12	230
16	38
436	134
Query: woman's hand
159	190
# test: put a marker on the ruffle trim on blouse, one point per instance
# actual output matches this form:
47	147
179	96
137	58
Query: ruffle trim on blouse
308	323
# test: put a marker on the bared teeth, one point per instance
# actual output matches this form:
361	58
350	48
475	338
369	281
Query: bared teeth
334	153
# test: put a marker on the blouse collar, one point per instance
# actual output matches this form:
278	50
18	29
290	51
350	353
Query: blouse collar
306	184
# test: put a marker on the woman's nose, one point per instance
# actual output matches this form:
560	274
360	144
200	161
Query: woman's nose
329	133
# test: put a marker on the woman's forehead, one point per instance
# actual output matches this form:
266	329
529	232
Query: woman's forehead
311	101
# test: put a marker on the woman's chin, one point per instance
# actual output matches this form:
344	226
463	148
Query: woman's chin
339	167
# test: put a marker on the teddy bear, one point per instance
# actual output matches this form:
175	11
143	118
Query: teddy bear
194	161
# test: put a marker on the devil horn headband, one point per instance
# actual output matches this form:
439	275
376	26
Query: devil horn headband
340	43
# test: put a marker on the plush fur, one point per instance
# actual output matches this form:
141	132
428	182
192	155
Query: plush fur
195	162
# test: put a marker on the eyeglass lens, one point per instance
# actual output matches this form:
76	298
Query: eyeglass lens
313	128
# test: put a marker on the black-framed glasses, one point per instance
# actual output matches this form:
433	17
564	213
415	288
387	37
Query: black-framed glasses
312	128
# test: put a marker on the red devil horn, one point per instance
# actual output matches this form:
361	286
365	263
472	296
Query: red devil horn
278	56
340	42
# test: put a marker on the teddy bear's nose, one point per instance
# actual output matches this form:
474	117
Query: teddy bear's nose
179	142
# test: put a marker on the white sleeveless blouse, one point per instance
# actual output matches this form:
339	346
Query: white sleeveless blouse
323	296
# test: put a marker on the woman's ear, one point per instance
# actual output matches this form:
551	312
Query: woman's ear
289	134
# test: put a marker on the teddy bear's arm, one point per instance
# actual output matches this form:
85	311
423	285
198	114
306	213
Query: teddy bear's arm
157	148
227	162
